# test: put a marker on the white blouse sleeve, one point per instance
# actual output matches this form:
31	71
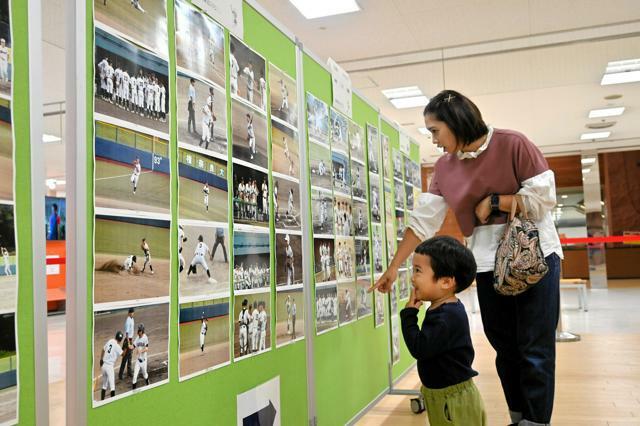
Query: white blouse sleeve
539	194
428	215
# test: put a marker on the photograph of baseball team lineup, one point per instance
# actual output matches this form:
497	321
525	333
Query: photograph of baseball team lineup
326	308
250	196
251	259
252	330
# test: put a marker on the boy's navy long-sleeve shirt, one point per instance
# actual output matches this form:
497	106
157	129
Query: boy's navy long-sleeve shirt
442	347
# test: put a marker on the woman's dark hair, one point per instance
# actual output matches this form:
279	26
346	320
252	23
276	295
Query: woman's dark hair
460	114
449	258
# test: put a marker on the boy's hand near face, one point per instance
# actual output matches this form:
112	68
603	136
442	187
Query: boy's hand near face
413	302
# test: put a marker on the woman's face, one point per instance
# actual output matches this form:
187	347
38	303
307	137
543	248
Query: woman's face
442	135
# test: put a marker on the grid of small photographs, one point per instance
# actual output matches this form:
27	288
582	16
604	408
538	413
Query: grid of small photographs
377	205
132	250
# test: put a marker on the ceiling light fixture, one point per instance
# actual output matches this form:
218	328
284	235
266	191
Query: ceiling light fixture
606	112
594	135
410	102
618	72
406	97
50	138
586	161
402	92
312	9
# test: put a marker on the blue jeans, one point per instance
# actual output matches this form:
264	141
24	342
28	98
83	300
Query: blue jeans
522	330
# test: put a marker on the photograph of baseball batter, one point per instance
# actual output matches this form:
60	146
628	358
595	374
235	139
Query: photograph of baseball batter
284	97
317	119
322	212
202	115
363	301
326	308
252	329
199	44
132	258
288	258
358	180
203	187
130	350
341	172
132	170
131	84
360	218
339	131
6	151
345	259
347	302
250	196
321	165
249	134
203	259
289	316
251	259
8	276
324	264
373	148
143	22
286	203
356	142
204	336
285	154
247	75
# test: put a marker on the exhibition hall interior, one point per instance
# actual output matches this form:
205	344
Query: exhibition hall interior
337	212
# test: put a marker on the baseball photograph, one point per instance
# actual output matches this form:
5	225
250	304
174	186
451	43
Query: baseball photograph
6	151
8	369
250	136
393	299
412	172
345	259
285	154
341	173
360	218
317	119
132	170
203	259
399	222
373	148
363	302
374	199
321	165
250	196
143	22
204	336
397	163
251	259
376	237
252	329
391	242
363	261
386	157
358	180
409	190
395	338
322	212
199	44
326	308
130	350
203	107
324	266
6	60
399	194
288	259
339	131
131	84
378	300
284	96
286	203
247	74
356	142
132	258
403	284
343	214
8	276
389	202
347	302
289	316
203	187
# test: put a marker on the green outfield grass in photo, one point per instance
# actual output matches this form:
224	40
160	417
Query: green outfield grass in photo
115	237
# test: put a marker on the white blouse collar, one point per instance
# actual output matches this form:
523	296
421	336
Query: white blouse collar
474	154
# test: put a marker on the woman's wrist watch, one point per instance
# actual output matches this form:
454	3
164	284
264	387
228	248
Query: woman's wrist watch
495	204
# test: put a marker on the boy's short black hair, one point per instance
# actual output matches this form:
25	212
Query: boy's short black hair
459	113
449	258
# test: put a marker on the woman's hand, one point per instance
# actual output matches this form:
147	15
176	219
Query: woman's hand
385	282
483	210
413	302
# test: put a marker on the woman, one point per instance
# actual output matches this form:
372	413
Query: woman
477	178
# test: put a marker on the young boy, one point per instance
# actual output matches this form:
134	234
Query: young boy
443	267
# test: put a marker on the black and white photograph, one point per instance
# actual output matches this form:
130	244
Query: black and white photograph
288	259
202	114
343	213
203	253
131	84
393	299
251	259
363	252
345	258
252	324
374	200
377	248
378	300
339	132
400	223
321	165
399	194
373	148
409	190
326	308
8	369
285	153
8	268
364	299
389	202
143	22
199	43
6	57
395	339
356	142
397	163
284	96
250	196
203	186
322	212
358	180
347	294
286	204
132	170
204	336
317	119
341	173
324	264
249	134
289	315
412	173
391	242
130	350
386	157
6	149
360	218
132	259
403	284
247	72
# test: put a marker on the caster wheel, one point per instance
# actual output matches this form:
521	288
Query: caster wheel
417	405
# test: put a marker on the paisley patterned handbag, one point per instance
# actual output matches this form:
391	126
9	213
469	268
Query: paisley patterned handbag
519	259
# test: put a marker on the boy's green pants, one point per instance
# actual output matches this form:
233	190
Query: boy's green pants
459	404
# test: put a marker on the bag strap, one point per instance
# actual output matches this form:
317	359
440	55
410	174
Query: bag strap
517	200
